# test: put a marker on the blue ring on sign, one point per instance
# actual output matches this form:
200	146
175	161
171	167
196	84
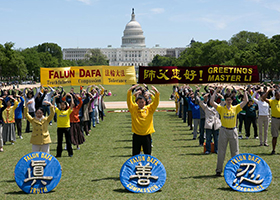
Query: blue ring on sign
143	174
37	173
247	173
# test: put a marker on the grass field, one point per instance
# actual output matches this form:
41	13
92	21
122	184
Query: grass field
93	171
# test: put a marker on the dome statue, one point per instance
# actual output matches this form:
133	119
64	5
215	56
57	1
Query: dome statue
133	34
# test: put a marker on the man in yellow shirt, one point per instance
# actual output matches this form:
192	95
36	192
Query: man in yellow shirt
142	121
275	116
228	132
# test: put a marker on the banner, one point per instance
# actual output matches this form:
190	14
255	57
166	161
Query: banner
88	75
247	173
198	75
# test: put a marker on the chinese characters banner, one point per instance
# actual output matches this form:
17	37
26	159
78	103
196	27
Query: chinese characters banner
119	76
88	75
196	75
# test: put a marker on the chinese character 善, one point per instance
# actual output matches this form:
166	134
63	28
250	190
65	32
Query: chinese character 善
143	173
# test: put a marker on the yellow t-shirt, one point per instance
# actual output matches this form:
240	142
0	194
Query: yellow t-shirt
142	119
63	118
228	116
275	107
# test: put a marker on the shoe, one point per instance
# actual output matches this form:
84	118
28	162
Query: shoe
240	137
20	137
260	145
207	152
256	137
65	147
70	155
152	145
272	153
12	143
50	124
194	138
247	137
57	156
201	145
89	130
218	174
1	149
266	145
78	148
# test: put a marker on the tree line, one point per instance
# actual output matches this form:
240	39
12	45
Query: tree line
244	48
24	64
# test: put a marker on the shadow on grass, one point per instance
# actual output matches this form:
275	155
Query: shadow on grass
121	156
123	140
185	146
122	147
21	192
182	139
203	177
107	178
122	191
250	146
192	154
8	181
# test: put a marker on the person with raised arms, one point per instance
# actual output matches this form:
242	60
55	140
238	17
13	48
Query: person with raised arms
228	132
142	121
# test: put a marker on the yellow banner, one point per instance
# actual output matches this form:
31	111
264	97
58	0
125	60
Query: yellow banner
56	76
88	75
119	75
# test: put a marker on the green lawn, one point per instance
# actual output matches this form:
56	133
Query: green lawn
93	171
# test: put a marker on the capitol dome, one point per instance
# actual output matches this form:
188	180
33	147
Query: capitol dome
133	34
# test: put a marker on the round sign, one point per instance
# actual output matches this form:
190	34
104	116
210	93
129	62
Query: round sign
247	173
37	173
143	174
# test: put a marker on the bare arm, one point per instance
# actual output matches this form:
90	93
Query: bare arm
245	100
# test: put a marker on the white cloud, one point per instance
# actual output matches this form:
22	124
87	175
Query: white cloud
158	10
88	2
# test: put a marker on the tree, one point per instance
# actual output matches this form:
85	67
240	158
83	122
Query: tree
32	61
52	48
162	61
96	57
11	61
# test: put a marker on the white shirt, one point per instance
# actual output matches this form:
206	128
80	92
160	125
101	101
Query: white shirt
263	106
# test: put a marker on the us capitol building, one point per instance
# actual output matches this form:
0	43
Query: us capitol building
133	51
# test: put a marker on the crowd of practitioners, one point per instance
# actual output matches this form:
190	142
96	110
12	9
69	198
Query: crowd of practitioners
75	113
219	113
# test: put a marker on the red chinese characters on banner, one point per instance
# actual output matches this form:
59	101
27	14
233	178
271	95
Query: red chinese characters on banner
195	75
114	73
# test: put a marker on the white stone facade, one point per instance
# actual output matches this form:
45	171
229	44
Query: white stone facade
133	50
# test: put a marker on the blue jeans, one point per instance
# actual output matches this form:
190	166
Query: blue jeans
91	116
209	133
46	110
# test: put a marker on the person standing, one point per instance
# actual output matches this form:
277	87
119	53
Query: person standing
63	125
40	137
8	115
275	116
228	132
263	118
18	114
142	121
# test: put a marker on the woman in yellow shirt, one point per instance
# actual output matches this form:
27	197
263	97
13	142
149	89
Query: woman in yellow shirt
63	125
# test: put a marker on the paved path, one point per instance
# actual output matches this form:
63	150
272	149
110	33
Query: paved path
122	104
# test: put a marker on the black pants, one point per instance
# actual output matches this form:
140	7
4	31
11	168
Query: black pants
138	141
248	122
67	133
18	126
27	130
241	121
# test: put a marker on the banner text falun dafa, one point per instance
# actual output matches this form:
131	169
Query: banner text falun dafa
88	75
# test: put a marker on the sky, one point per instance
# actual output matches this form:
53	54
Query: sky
99	23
